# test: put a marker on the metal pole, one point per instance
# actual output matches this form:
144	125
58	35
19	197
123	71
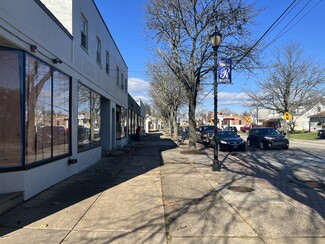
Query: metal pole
216	164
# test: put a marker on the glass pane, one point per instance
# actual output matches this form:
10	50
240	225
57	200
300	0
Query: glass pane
95	119
10	120
61	86
83	117
38	110
124	122
130	122
118	122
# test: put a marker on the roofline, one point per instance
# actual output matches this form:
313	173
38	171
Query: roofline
109	33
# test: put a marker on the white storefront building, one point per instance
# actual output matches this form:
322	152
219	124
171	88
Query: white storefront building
63	92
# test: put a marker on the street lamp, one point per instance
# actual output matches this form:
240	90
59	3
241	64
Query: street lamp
215	39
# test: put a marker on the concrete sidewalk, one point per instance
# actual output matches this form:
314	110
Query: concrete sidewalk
157	192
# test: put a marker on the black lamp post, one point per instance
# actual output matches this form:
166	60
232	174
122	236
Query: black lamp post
215	39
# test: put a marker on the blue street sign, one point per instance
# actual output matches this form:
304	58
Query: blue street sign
224	70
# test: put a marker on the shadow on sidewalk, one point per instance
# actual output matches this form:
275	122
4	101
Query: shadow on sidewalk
274	207
87	185
284	180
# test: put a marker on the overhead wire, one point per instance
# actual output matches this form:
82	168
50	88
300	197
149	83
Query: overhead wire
265	34
281	34
271	28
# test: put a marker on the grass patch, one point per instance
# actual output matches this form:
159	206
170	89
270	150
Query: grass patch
304	136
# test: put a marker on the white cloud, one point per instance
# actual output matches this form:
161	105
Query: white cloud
229	98
138	85
138	89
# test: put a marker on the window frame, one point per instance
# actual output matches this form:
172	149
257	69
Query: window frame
98	51
89	143
107	62
84	33
52	157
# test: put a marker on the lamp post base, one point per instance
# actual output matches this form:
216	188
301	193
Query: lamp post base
216	166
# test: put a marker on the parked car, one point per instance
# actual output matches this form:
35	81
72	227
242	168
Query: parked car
232	128
58	134
228	141
267	137
247	128
83	135
321	133
204	133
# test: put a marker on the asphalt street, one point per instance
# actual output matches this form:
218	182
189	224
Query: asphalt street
155	191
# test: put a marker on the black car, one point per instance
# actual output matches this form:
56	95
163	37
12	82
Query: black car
267	137
204	133
321	133
228	141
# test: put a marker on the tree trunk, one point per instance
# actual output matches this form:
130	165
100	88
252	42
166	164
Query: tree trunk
192	123
170	127
175	125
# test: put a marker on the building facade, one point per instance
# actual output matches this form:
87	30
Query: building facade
63	92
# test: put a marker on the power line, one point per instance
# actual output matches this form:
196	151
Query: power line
274	24
265	33
281	34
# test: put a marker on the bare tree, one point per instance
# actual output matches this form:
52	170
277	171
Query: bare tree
182	29
148	108
166	90
292	82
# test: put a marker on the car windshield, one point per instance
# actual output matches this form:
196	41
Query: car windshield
270	132
226	134
208	128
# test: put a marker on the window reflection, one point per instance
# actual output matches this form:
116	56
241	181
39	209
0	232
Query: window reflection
38	110
88	118
95	118
47	112
10	120
61	132
121	122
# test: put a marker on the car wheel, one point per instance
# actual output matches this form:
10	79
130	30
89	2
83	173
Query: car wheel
219	147
261	144
249	143
244	148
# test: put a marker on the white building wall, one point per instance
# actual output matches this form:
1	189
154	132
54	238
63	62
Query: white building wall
94	75
302	122
25	23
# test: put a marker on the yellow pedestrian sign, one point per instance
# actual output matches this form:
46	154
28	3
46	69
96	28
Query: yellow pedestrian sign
287	116
248	119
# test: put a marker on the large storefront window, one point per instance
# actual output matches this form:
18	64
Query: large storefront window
11	66
124	118
130	122
88	118
118	123
95	119
121	122
61	130
47	119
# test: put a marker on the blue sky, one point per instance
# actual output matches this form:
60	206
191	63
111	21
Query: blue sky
125	20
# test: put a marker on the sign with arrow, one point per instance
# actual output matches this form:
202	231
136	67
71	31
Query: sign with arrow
248	119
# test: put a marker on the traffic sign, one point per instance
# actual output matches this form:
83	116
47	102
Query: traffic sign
248	119
287	116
